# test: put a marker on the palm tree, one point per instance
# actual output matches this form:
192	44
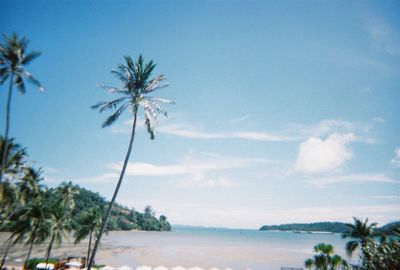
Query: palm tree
88	224
309	263
60	215
13	59
29	186
137	84
325	258
322	259
362	235
32	225
15	157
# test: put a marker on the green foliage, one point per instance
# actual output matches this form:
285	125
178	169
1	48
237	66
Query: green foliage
325	259
380	254
334	227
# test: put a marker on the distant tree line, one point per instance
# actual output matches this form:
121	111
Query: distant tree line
334	227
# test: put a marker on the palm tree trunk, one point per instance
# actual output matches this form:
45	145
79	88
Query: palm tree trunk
28	256
49	249
4	157
6	253
89	246
105	219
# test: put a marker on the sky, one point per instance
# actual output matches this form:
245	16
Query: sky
286	111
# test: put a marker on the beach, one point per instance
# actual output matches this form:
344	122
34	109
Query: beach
202	247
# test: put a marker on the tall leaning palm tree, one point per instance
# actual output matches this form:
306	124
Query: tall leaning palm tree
13	59
137	86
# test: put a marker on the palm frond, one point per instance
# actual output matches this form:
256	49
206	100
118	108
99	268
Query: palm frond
163	100
155	84
3	71
112	89
30	56
111	119
120	73
106	105
19	82
351	246
158	107
149	126
4	78
33	80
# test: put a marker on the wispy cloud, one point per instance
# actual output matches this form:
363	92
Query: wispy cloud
387	197
383	36
288	133
351	178
396	159
189	132
194	171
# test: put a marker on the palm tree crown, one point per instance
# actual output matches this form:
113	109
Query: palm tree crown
136	87
13	58
361	232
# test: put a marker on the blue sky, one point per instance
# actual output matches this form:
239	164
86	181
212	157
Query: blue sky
286	111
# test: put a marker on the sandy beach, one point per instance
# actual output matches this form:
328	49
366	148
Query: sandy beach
205	248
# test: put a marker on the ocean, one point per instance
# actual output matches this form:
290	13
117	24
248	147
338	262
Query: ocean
214	247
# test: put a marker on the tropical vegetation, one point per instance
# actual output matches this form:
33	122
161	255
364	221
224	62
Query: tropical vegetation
377	250
325	259
34	214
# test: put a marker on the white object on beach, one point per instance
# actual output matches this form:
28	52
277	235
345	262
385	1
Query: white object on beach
143	267
160	268
178	268
74	264
47	266
107	267
124	267
214	268
195	268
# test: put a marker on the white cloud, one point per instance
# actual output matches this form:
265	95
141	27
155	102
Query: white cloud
317	155
195	171
200	180
351	178
383	36
189	132
396	160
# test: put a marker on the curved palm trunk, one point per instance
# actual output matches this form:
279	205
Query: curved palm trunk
49	250
88	251
5	147
105	219
28	256
6	253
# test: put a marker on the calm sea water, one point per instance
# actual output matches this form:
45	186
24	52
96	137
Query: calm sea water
222	248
